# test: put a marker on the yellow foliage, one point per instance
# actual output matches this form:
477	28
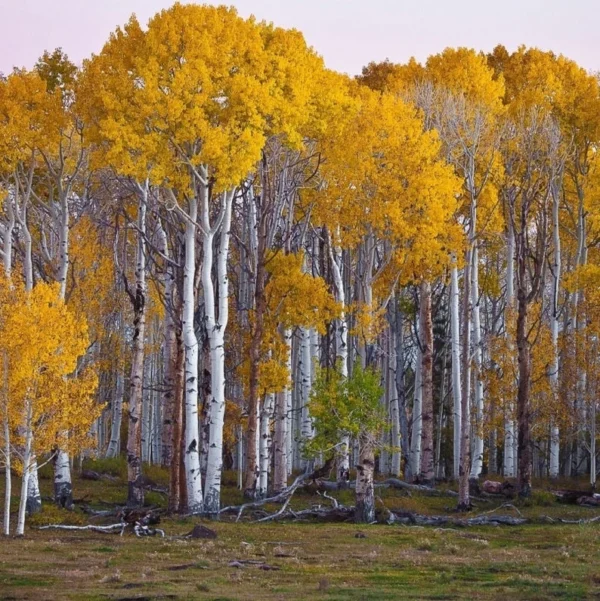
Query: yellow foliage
43	342
296	298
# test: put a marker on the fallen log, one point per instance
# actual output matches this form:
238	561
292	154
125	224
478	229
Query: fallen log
413	519
104	529
571	496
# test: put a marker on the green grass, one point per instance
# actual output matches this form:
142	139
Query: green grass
315	561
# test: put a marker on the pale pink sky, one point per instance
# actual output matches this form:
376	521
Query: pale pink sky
347	33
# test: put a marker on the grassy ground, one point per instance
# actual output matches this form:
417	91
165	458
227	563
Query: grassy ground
312	560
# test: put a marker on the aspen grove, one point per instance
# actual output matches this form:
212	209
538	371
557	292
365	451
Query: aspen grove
218	255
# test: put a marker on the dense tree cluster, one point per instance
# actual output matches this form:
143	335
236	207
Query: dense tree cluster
219	254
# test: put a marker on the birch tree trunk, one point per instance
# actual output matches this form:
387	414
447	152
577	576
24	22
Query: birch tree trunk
554	324
396	456
215	327
135	495
509	424
169	399
464	500
426	472
27	456
265	444
401	392
365	490
7	447
306	426
523	408
477	459
63	490
259	247
456	381
192	433
114	444
335	258
282	440
177	480
580	323
417	417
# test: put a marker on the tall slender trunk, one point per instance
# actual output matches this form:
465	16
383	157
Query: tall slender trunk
523	393
7	448
306	427
282	440
177	481
193	477
593	408
401	392
34	500
258	246
456	381
27	456
265	445
580	324
554	325
169	400
509	423
417	416
426	472
114	445
464	500
135	496
63	490
396	458
335	259
477	459
215	327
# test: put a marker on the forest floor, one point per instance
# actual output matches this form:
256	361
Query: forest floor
279	561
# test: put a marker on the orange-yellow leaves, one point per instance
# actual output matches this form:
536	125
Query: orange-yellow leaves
385	175
201	86
44	342
296	298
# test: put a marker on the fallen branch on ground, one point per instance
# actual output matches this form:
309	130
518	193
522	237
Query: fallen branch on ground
105	529
444	520
283	497
565	521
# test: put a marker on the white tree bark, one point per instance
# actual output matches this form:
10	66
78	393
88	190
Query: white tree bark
114	445
7	234
63	490
456	381
135	495
289	404
192	435
335	257
477	459
215	327
282	440
7	230
395	440
264	452
510	463
554	326
27	456
7	449
34	500
417	421
34	496
580	324
306	426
